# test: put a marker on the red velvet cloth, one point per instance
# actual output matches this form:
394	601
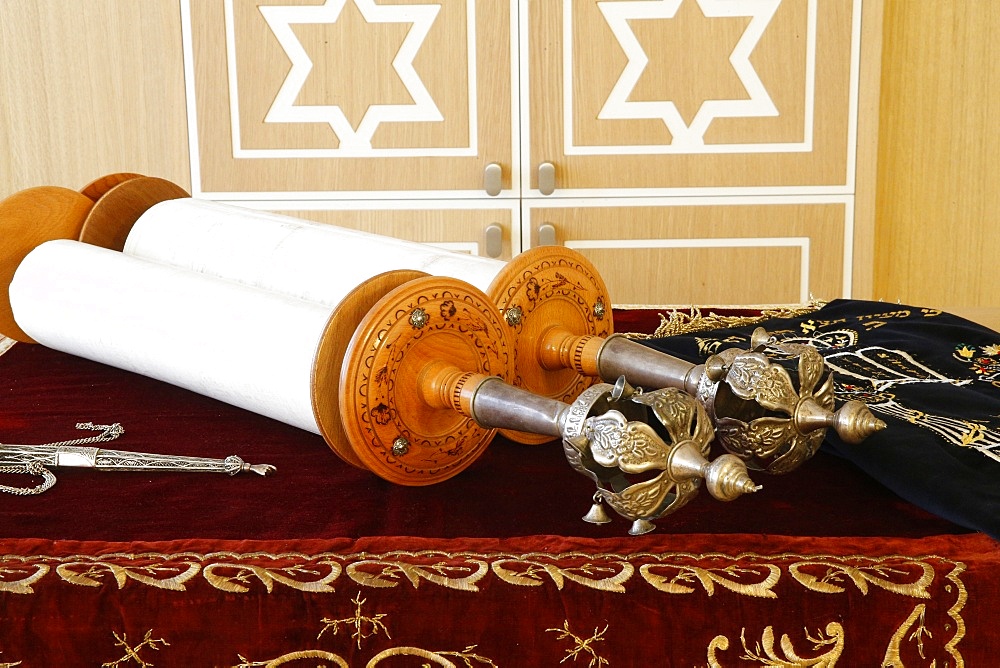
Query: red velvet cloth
513	490
326	564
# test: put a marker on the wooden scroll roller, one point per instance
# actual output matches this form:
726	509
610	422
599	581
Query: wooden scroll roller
553	301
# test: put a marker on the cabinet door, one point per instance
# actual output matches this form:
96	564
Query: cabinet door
485	228
349	98
678	95
686	251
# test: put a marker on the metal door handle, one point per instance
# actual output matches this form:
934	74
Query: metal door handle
494	240
493	179
547	235
546	178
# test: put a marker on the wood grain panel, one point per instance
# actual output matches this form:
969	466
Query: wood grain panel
938	203
353	72
760	154
90	88
726	253
462	230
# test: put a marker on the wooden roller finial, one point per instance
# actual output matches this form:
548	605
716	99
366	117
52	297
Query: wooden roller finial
397	409
28	219
545	292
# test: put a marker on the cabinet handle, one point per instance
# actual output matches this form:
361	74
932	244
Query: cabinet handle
546	178
547	235
494	240
493	179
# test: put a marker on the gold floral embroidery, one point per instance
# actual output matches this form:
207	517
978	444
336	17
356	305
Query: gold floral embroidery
292	656
675	322
439	657
161	574
892	653
898	578
314	576
527	572
132	653
709	577
18	579
955	611
581	645
364	626
385	571
764	652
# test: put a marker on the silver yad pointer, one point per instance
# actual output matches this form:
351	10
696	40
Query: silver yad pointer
33	459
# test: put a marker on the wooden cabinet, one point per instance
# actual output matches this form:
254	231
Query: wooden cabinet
705	152
696	150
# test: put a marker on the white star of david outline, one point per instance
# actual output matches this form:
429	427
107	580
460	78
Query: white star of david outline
687	137
284	109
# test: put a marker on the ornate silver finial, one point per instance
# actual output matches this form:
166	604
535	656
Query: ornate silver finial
765	419
647	467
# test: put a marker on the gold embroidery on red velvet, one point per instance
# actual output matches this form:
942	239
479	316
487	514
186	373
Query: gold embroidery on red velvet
292	656
132	653
955	610
439	657
364	626
385	571
883	575
528	572
314	576
764	652
892	652
709	577
165	574
581	645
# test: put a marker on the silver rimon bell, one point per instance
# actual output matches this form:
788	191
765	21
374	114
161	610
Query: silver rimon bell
597	514
763	418
647	453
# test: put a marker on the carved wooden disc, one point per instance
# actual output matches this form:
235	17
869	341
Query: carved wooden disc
28	219
395	433
330	357
542	287
116	211
97	188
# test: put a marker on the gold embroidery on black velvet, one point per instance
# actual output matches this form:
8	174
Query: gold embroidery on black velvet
132	653
364	626
765	654
582	646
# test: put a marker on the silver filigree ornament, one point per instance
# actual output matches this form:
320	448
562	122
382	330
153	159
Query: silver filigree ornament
650	467
32	460
763	418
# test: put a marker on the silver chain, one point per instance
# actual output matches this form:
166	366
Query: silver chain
109	432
